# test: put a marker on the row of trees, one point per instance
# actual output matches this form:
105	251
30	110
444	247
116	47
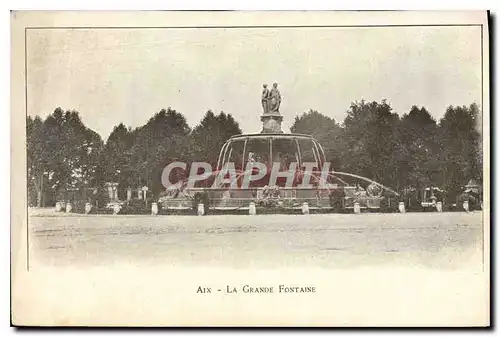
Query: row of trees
373	141
64	155
413	150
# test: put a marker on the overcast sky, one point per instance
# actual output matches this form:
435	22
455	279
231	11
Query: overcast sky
126	75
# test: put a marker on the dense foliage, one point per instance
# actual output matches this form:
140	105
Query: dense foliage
411	150
402	152
66	159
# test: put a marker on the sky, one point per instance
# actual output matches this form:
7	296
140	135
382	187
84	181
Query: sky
127	75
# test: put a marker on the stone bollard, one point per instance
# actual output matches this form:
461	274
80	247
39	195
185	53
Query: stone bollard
481	205
357	208
465	205
439	206
201	209
69	207
116	209
401	207
154	208
305	208
58	207
88	208
251	209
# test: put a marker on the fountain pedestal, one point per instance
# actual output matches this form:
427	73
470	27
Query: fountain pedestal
271	123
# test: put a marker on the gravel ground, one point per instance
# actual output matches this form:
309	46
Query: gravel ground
435	240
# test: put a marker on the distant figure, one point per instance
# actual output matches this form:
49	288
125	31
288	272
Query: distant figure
266	95
275	99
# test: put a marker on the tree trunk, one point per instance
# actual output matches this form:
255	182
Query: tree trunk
39	191
38	198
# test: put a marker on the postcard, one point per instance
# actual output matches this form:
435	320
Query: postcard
289	169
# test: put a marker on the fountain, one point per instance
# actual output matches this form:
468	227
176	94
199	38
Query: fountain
296	173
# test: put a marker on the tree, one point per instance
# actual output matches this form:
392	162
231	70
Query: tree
62	153
79	152
116	156
370	134
163	139
209	136
461	147
418	149
326	131
36	159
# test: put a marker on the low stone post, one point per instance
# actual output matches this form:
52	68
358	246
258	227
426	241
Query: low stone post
439	206
251	209
305	208
69	207
88	208
465	205
154	208
401	207
201	209
58	207
357	208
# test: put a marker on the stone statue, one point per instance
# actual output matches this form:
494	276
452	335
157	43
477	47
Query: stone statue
271	118
274	103
266	96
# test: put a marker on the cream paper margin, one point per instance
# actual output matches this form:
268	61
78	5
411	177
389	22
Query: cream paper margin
131	295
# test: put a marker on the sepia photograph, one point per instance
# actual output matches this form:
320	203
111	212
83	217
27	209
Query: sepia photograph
250	169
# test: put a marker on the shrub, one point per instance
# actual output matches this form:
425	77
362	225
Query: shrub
100	210
136	206
79	206
388	205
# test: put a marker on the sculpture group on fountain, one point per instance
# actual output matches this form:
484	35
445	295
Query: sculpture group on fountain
271	99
